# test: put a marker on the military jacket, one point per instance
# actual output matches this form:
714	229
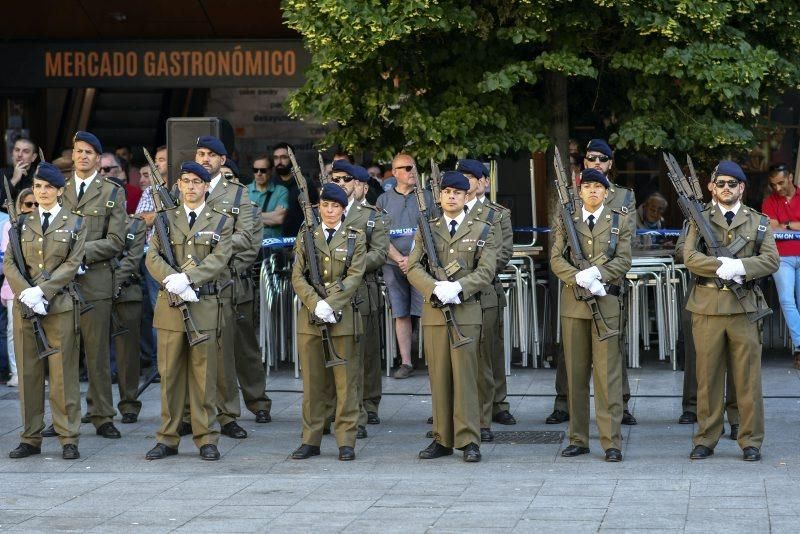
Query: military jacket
710	300
206	265
594	246
341	289
51	258
127	286
243	262
616	201
377	241
103	200
473	278
489	215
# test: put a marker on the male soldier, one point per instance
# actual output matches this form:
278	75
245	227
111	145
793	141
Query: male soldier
101	202
354	180
201	243
454	370
600	157
52	245
127	316
229	198
341	254
720	322
598	227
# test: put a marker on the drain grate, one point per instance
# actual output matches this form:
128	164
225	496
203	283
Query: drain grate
529	437
11	395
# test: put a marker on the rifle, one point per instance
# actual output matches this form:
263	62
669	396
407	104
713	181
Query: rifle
567	210
312	262
324	177
43	348
436	184
692	209
164	201
439	272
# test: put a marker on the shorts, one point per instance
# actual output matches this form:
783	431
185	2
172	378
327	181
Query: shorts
404	299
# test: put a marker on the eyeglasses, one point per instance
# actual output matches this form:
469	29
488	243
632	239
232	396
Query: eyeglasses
196	183
600	158
31	204
733	184
347	179
406	168
109	169
259	170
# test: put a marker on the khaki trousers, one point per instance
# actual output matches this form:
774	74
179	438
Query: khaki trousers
371	386
247	354
486	362
95	334
127	350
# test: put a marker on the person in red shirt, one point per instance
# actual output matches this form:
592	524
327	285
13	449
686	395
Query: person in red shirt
111	166
782	207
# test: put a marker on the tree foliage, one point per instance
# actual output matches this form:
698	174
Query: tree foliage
457	77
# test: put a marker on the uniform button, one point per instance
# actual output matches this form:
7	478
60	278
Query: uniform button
590	255
40	239
188	242
188	255
451	250
40	253
588	241
41	266
327	259
325	271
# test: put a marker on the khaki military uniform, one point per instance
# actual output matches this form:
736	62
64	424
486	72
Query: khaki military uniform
191	371
454	372
103	209
622	200
342	289
585	356
250	369
51	259
127	310
721	329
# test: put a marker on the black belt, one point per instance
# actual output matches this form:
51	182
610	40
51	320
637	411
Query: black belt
209	288
712	283
612	289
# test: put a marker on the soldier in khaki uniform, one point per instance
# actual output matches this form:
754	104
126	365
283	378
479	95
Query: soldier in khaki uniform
101	202
128	313
454	371
720	324
336	245
585	355
201	242
600	157
52	243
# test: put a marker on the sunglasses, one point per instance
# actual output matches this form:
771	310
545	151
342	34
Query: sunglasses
600	158
347	179
259	170
108	169
733	184
406	168
31	204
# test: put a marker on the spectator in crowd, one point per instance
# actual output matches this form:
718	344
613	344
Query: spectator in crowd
271	198
111	166
782	207
64	165
283	176
125	153
650	216
375	184
144	177
24	157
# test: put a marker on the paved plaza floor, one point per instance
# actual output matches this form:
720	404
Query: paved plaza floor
518	488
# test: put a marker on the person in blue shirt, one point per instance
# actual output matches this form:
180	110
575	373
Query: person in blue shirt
272	198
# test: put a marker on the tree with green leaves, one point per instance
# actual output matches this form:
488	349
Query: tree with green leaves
451	78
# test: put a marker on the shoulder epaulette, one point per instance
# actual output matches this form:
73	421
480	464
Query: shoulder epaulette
110	181
355	230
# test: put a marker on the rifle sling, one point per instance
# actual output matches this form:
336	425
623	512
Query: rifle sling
112	201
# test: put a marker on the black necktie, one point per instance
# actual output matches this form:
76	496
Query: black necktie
192	218
590	222
453	224
46	221
466	208
330	231
729	215
207	193
81	191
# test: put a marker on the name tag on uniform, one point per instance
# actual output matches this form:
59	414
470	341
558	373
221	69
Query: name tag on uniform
340	250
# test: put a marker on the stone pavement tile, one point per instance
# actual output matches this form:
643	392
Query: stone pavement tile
244	512
642	496
422	487
16	501
727	514
494	491
715	489
739	525
654	485
578	501
12	517
784	508
400	515
478	517
343	506
568	488
643	520
192	507
556	527
640	531
140	520
219	487
564	514
663	508
416	501
783	525
91	506
474	530
267	497
310	522
356	494
410	525
222	524
59	523
706	503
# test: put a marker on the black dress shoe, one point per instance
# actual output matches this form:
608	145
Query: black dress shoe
157	379
557	417
487	436
373	419
114	378
628	418
160	451
735	432
751	454
613	455
184	429
472	453
24	450
429	434
504	418
209	452
49	432
434	450
361	432
574	450
262	416
687	418
346	454
108	431
70	452
233	430
701	452
430	420
305	451
86	418
128	418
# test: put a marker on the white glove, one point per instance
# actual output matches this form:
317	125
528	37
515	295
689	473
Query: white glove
31	296
447	292
731	268
739	279
584	278
597	289
81	270
176	283
324	312
189	295
40	308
